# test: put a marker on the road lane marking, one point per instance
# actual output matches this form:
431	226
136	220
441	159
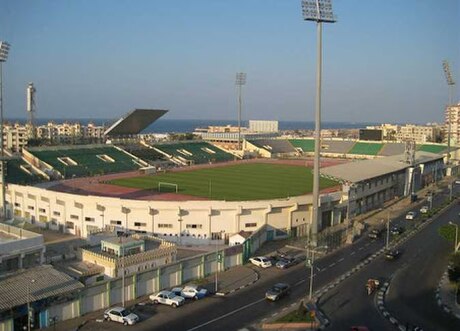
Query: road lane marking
331	265
300	282
353	253
341	260
226	315
361	248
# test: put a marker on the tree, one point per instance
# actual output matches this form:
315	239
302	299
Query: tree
447	232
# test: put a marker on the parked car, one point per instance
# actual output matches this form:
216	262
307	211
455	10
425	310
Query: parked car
457	181
177	291
392	255
374	234
411	215
261	261
286	262
424	209
396	230
278	291
194	292
120	315
167	298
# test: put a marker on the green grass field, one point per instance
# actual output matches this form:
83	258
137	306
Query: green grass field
253	181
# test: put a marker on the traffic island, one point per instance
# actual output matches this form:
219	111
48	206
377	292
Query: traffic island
302	317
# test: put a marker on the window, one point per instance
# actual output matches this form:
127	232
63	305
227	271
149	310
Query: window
74	217
251	225
69	225
56	213
89	219
42	210
194	226
115	222
164	225
31	207
139	224
17	204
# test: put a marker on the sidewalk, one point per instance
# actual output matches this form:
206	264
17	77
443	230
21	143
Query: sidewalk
445	296
229	281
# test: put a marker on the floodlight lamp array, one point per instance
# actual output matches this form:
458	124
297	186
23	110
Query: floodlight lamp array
240	78
447	73
318	11
4	49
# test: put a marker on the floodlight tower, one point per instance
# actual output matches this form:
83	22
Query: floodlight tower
450	84
4	48
31	107
318	11
240	81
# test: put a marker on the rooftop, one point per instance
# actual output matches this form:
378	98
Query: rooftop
366	169
43	281
135	121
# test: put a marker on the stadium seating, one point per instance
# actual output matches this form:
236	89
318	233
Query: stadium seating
144	153
195	152
88	160
432	148
16	175
336	146
307	145
392	149
275	146
361	148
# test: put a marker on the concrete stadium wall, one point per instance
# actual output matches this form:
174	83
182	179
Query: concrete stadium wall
187	222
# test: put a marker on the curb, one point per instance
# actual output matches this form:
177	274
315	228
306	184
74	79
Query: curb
447	308
221	294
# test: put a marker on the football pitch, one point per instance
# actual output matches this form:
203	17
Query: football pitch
252	181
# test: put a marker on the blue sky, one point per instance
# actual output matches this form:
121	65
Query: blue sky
100	58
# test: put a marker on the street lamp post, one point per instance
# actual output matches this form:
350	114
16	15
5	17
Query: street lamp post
218	261
450	82
4	49
310	263
318	11
456	235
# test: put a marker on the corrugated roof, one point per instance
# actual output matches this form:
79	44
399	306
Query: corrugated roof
47	282
363	170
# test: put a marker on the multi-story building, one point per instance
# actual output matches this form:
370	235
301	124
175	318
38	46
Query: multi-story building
263	126
419	133
454	113
14	137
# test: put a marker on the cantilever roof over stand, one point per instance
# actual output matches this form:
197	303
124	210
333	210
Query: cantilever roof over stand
134	122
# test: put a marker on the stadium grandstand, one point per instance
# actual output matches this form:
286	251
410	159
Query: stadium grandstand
340	147
85	160
362	148
389	149
19	172
305	145
193	152
271	147
145	153
432	148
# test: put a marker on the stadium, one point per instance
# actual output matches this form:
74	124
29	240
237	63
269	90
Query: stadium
194	192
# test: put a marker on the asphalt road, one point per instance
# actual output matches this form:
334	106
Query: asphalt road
413	280
248	306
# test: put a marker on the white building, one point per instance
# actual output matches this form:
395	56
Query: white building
452	112
263	126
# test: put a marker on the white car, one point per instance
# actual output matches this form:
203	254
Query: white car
120	315
411	215
424	210
194	292
261	261
167	298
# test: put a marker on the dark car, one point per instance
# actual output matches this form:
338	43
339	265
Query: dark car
286	262
396	230
392	255
277	291
374	234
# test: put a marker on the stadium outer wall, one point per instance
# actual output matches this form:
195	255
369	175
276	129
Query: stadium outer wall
199	222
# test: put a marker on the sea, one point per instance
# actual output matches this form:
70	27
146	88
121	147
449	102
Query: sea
187	125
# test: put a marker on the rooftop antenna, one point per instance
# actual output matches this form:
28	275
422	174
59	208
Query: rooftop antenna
239	82
318	11
31	107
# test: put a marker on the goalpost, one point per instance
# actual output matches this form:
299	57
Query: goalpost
165	185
